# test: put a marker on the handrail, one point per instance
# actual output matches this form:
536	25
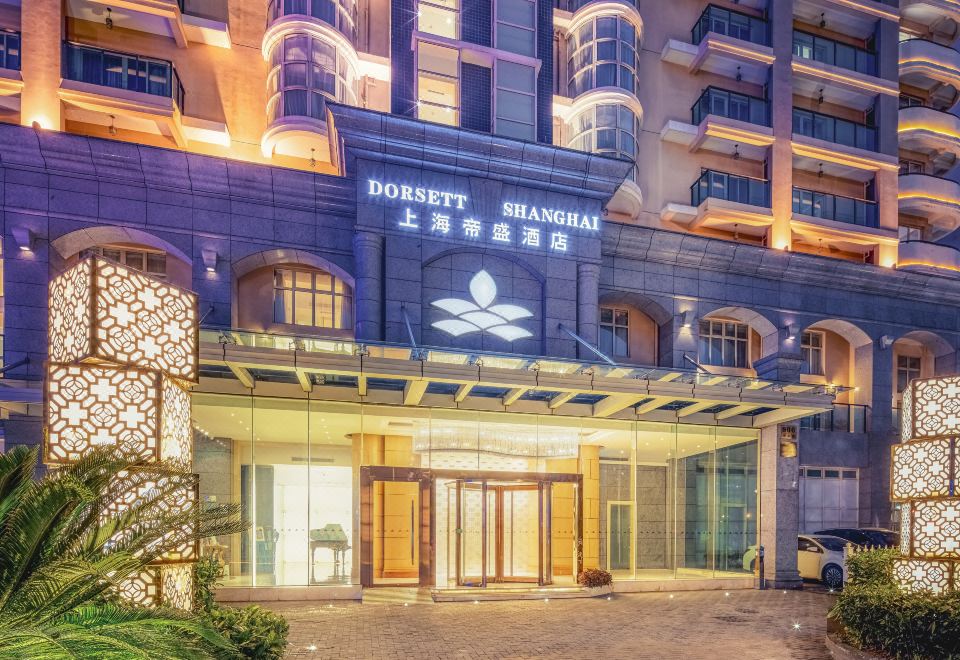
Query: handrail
730	187
704	106
863	136
851	210
756	28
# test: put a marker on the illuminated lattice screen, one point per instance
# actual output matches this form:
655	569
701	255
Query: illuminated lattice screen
905	522
104	311
136	486
142	413
923	469
155	585
934	405
923	575
935	529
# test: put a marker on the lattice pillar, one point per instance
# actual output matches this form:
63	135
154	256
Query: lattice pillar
123	355
924	479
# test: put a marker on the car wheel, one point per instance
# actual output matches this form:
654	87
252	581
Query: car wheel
832	576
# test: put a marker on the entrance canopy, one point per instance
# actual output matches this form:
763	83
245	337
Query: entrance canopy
400	375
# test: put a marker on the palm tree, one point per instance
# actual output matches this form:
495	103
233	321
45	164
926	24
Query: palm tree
62	561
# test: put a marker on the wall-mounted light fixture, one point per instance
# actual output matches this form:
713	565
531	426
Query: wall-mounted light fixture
24	238
792	331
686	318
885	341
209	257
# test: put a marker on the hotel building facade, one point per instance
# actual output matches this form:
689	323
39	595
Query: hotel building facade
495	291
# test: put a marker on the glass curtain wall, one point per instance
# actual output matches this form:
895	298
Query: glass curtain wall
658	501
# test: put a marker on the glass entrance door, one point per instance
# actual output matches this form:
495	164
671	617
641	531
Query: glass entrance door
502	533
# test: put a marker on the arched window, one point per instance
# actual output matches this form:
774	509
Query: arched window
311	297
147	261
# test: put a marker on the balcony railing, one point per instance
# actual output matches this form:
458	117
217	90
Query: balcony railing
820	49
845	417
730	187
723	103
835	207
833	129
9	50
122	71
731	23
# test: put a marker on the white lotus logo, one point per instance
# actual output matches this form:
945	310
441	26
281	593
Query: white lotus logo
481	314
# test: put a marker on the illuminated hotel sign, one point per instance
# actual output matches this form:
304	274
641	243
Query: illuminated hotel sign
521	225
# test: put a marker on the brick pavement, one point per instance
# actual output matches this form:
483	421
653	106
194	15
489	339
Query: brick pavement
709	624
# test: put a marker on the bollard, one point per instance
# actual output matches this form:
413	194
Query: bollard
763	580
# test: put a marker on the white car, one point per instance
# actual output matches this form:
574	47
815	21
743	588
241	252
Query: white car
821	558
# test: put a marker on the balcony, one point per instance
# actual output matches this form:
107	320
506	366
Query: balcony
726	43
725	122
134	92
836	72
931	132
932	68
843	418
931	197
848	210
726	202
925	256
155	17
854	18
823	144
833	129
11	83
936	16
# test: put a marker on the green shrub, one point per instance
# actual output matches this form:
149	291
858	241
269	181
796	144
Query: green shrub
872	566
256	632
877	615
206	575
594	577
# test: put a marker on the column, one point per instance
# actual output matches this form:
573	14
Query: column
590	469
41	24
368	293
780	166
779	512
588	285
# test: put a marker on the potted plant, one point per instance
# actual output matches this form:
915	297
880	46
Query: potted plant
597	580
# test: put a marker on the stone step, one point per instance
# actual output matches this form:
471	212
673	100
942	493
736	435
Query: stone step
514	593
396	595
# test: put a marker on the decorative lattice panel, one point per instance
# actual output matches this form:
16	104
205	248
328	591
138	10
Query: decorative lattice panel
88	407
905	521
70	331
168	585
922	469
935	408
177	586
142	589
935	530
130	319
906	414
923	575
176	431
143	413
136	486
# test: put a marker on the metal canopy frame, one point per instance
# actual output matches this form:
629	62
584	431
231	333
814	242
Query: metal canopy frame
611	391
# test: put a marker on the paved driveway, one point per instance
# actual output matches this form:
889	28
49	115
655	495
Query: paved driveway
708	624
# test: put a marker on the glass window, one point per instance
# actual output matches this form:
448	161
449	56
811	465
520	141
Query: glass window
615	331
516	101
439	17
149	262
607	60
306	73
606	129
311	298
911	166
725	344
910	233
811	346
517	26
908	368
438	84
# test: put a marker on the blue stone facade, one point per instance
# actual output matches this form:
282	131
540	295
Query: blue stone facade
64	188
